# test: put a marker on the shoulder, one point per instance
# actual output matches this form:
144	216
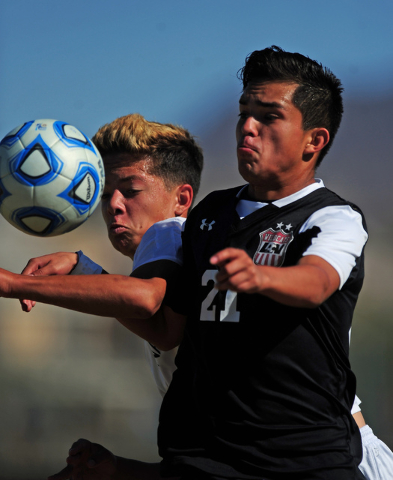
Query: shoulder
219	199
218	195
338	217
333	199
163	231
326	206
341	237
165	226
162	241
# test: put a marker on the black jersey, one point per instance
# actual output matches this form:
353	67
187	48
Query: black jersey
262	389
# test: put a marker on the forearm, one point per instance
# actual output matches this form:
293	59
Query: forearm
104	295
164	330
306	285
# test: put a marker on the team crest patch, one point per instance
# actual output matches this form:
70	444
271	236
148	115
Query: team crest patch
272	247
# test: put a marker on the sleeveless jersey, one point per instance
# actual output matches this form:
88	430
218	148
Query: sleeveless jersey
262	389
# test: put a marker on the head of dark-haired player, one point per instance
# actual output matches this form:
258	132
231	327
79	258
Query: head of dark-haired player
291	106
152	172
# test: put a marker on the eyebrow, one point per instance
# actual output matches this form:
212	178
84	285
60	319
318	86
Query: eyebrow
263	104
130	178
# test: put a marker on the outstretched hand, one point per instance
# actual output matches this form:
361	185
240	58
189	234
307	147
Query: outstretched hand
60	263
88	461
306	285
237	271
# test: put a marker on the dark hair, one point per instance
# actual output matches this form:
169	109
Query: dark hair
318	96
174	154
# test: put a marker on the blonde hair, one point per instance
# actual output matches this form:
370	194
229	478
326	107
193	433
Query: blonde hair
175	156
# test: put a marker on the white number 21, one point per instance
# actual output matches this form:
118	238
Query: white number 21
209	305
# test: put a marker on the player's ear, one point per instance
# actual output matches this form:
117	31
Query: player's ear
184	195
317	139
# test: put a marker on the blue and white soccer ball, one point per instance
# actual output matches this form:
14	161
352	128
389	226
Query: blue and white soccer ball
51	177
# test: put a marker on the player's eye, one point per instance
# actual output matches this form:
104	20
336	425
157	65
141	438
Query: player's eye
131	192
271	116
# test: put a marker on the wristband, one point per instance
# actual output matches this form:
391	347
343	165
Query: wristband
85	266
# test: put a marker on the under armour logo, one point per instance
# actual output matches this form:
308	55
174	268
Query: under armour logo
209	225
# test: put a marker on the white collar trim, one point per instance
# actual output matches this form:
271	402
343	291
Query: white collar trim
245	207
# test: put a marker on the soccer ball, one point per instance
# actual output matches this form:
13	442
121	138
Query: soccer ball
51	177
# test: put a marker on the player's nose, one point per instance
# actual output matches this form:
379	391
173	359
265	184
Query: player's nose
115	203
249	126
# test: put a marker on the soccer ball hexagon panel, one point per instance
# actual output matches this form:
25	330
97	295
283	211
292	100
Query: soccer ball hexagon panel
51	177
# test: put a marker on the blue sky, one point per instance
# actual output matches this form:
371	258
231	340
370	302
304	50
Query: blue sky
89	61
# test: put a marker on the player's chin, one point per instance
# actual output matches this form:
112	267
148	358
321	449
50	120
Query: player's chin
122	244
247	170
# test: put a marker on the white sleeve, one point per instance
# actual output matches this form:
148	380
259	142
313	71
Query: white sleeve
340	240
162	366
162	241
356	405
85	266
377	462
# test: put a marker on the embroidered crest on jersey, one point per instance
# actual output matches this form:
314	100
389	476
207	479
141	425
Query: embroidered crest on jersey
273	245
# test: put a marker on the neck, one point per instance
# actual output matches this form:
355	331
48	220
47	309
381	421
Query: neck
261	194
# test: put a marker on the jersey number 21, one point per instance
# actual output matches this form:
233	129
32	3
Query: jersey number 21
211	304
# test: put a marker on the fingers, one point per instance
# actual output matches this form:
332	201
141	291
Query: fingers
232	263
80	451
60	263
27	305
237	271
35	271
88	453
34	264
78	454
241	283
97	457
87	460
225	256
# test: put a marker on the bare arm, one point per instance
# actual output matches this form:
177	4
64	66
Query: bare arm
104	295
359	419
307	284
164	330
60	263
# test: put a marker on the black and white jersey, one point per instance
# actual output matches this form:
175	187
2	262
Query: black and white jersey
263	389
160	254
